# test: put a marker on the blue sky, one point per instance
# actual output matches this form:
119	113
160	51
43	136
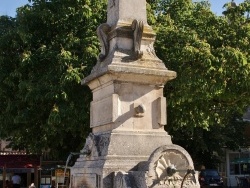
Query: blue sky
216	5
8	7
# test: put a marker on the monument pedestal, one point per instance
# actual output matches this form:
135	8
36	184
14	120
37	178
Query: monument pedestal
128	146
114	152
128	114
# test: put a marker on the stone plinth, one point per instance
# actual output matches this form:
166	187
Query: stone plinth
115	151
118	96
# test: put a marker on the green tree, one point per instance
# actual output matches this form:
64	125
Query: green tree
54	46
211	57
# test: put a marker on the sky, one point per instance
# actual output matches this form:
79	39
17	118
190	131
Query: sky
217	5
8	7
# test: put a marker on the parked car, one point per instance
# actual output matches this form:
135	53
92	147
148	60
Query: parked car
210	178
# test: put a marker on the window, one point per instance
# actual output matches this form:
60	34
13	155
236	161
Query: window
46	180
45	177
241	166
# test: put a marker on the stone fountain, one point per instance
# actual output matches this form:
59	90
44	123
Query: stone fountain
128	146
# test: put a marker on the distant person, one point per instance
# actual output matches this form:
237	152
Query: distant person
16	181
32	185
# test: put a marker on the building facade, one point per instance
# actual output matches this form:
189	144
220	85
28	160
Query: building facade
43	171
237	163
18	162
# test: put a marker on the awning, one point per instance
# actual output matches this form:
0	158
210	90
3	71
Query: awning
241	160
19	161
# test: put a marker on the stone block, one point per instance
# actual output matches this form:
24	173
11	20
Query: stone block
104	111
86	180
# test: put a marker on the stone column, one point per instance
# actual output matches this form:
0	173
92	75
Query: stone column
120	11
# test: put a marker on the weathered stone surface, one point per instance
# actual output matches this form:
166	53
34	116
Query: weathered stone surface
104	111
87	180
126	11
143	73
115	151
168	166
128	146
116	102
128	44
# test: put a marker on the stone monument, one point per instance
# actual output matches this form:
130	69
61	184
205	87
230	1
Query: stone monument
128	146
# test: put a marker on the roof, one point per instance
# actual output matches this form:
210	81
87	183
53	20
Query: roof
19	161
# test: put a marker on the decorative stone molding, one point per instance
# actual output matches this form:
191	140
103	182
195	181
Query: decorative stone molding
168	166
137	27
102	32
96	145
135	32
140	110
89	145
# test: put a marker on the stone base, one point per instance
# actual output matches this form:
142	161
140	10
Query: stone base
115	151
129	159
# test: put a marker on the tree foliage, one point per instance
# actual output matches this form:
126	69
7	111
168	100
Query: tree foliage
212	90
51	45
